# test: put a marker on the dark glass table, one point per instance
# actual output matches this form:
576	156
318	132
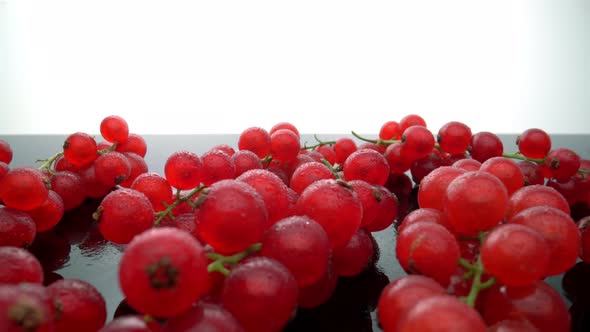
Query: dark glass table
75	248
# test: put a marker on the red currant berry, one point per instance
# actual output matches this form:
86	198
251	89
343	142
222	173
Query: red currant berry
17	228
261	293
442	313
70	187
18	265
135	143
112	168
398	162
123	214
334	206
411	120
474	202
155	188
367	165
80	149
232	216
284	125
203	317
138	167
343	148
217	166
114	129
485	145
328	153
507	171
418	243
531	172
351	259
534	143
432	188
536	195
558	230
499	260
417	142
163	272
390	130
562	163
255	139
301	245
49	213
79	304
23	188
401	295
454	137
272	190
284	145
5	152
183	170
245	160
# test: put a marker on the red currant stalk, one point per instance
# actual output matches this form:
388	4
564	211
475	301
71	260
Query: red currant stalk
179	199
320	143
378	141
220	261
475	271
332	169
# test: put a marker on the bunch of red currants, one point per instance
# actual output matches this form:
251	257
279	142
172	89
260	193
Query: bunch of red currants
238	240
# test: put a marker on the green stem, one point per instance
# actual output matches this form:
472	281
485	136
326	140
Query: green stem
477	270
112	147
266	159
179	199
583	171
320	143
519	156
376	141
477	286
48	163
220	261
331	168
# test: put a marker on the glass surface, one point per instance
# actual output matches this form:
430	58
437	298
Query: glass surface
75	248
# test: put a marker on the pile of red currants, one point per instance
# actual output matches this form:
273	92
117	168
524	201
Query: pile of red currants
237	240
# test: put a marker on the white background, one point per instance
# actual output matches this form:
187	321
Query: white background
327	66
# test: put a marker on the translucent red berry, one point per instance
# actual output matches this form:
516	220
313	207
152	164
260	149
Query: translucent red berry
367	165
163	272
23	188
80	149
534	143
390	130
183	170
454	137
255	139
411	120
261	293
79	304
114	129
232	216
485	145
18	265
135	143
5	152
334	206
123	214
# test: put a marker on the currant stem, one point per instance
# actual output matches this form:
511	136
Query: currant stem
376	141
331	168
477	285
219	261
266	159
519	156
48	163
320	143
477	270
179	199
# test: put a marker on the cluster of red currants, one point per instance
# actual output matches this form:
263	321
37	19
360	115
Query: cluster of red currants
237	240
34	201
487	231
